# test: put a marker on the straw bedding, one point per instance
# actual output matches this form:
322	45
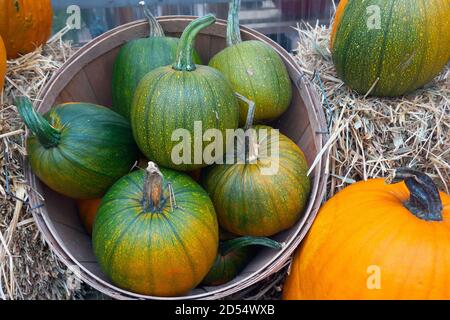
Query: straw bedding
369	137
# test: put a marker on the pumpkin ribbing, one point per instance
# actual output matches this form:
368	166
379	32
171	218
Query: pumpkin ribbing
409	49
254	70
179	97
251	201
25	25
367	232
78	149
137	58
152	241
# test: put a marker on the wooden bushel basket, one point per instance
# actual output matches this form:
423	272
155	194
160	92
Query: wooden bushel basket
86	77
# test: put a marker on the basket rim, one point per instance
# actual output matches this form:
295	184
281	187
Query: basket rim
275	263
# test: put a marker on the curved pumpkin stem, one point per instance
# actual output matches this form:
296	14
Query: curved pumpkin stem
233	29
155	28
153	187
184	60
425	201
47	135
229	246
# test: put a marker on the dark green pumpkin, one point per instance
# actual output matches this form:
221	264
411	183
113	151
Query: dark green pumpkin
407	50
179	97
78	149
152	241
265	189
255	70
137	58
232	258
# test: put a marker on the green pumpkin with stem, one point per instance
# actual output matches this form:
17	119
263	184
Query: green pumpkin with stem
156	232
233	256
255	71
390	47
185	98
137	58
78	149
265	189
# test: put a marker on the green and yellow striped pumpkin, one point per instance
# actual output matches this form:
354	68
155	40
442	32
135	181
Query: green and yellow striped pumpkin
390	47
252	200
182	96
78	149
152	241
137	58
255	70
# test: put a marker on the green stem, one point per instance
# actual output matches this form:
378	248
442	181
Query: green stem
424	201
229	246
233	29
47	135
184	60
155	28
153	188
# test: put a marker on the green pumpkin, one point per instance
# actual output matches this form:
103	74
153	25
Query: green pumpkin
182	96
78	149
264	187
255	70
156	233
408	48
137	58
232	258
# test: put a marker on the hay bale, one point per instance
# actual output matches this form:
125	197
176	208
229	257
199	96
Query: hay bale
372	136
28	269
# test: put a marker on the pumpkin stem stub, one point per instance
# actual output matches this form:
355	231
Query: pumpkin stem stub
424	202
184	60
47	135
233	29
229	246
251	143
155	28
153	187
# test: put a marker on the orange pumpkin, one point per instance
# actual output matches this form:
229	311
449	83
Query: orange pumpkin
377	241
25	25
2	64
88	210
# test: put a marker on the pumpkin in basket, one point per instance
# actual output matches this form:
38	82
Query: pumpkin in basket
87	209
2	64
181	100
263	188
78	149
137	58
255	70
25	25
377	241
156	233
233	256
390	47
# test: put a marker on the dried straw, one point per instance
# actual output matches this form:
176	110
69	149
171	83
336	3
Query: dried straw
370	136
28	269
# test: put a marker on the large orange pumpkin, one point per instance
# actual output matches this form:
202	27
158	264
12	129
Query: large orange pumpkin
2	64
25	25
377	241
